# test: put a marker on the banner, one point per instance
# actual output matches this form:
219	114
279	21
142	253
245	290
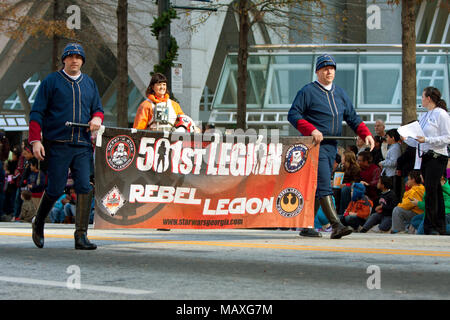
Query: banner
203	181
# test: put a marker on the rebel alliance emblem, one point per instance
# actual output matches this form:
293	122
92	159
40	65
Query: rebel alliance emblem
113	201
295	158
120	152
290	202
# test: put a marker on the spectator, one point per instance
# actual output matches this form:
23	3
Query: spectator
389	165
432	157
352	148
382	216
70	207
358	209
24	170
352	173
4	146
28	209
370	174
361	145
407	209
2	189
36	181
379	131
377	156
417	222
405	163
12	181
57	215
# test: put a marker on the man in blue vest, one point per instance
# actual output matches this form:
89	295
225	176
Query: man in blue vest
318	110
66	95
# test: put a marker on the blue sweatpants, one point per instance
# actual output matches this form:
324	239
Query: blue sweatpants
327	156
63	156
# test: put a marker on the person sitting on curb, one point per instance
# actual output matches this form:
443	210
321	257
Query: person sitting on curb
382	216
417	221
358	209
406	210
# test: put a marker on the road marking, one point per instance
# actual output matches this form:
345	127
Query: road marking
410	252
82	286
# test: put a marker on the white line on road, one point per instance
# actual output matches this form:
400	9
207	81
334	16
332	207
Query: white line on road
82	287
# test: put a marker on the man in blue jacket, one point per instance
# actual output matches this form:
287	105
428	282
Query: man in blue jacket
66	95
318	110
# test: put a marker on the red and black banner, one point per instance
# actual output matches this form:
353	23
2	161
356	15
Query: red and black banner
203	181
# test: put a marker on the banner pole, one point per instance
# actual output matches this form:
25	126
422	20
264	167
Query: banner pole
85	125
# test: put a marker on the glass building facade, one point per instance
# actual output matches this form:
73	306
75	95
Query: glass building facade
372	79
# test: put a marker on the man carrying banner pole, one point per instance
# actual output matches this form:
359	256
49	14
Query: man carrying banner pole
66	95
318	110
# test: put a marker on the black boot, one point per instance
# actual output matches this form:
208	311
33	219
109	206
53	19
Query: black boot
339	230
311	232
84	202
38	221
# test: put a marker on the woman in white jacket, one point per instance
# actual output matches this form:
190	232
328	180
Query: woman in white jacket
433	157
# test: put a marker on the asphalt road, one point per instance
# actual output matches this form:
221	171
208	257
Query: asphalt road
191	265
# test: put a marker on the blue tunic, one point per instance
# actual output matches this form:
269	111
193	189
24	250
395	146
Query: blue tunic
325	110
60	99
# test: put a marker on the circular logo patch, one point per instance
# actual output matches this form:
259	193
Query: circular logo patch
290	202
120	152
295	158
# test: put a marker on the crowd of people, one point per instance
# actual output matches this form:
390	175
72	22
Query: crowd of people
383	190
23	180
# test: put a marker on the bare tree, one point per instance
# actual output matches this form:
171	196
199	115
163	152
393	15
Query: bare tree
16	23
122	67
409	88
280	16
21	20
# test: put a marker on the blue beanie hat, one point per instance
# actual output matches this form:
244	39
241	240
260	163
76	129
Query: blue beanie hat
73	48
325	60
358	191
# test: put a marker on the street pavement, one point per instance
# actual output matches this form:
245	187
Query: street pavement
217	265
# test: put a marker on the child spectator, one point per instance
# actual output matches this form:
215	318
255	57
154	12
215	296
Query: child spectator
28	208
57	214
70	207
417	221
358	209
351	175
389	165
406	210
36	178
382	216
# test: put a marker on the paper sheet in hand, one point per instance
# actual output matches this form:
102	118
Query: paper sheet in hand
412	130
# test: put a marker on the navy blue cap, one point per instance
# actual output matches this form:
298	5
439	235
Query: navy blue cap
73	48
325	60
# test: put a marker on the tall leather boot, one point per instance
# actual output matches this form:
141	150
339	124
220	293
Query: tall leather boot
83	210
311	232
38	221
339	230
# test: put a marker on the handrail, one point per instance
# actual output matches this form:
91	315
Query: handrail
346	46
